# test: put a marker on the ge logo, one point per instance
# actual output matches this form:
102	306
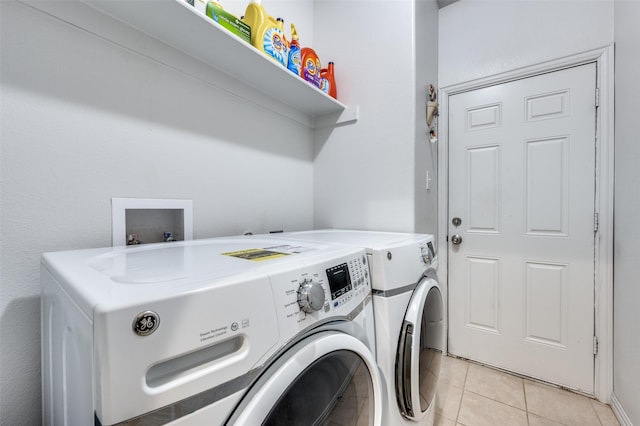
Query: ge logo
146	323
234	326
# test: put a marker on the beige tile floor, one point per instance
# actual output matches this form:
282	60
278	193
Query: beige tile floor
474	395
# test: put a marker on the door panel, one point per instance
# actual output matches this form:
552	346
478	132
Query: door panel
546	287
547	186
481	308
522	181
483	185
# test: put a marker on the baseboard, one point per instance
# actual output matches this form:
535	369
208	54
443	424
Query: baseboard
619	412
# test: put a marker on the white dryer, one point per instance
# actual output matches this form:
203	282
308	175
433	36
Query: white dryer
221	331
409	309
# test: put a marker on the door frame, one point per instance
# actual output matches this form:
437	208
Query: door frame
603	278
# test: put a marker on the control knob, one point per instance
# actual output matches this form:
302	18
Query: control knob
310	296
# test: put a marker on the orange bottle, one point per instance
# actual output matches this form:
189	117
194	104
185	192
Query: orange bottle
329	81
310	66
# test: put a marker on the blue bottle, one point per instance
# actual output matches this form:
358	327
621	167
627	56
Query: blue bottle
294	64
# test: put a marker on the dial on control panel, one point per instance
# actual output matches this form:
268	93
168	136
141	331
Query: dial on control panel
310	296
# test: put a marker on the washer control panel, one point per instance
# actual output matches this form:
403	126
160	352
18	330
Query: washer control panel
326	289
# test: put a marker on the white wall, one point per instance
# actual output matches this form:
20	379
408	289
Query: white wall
365	173
480	38
626	366
426	153
85	119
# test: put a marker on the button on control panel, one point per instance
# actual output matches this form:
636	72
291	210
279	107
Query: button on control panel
359	271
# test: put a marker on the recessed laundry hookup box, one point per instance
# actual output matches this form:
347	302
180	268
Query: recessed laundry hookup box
145	220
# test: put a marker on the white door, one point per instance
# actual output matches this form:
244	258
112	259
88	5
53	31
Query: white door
522	183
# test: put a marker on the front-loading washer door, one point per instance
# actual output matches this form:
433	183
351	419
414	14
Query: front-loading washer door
420	350
327	378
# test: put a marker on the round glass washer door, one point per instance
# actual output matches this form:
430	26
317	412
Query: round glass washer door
328	378
420	350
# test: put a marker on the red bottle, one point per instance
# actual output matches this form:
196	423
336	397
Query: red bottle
329	81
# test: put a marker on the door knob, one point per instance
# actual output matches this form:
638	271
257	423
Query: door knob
456	239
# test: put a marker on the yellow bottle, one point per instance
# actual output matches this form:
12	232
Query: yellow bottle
267	34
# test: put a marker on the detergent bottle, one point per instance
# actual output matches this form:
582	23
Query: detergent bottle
329	81
294	63
310	66
267	33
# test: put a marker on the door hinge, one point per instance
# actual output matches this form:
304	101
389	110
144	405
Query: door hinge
597	97
595	345
596	222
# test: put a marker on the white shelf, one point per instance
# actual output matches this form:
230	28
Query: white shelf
178	24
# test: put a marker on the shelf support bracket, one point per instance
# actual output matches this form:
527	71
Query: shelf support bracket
349	115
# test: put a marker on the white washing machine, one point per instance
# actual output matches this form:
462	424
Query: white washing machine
409	308
221	331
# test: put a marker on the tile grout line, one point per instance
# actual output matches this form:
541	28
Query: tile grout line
464	385
526	405
501	403
596	411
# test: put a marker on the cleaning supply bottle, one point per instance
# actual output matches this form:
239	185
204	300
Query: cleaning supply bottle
310	66
285	42
267	33
294	63
329	81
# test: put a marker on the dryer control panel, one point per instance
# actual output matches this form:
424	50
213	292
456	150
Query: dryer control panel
428	254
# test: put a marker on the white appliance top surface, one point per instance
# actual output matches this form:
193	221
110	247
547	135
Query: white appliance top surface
369	240
121	275
406	264
210	259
